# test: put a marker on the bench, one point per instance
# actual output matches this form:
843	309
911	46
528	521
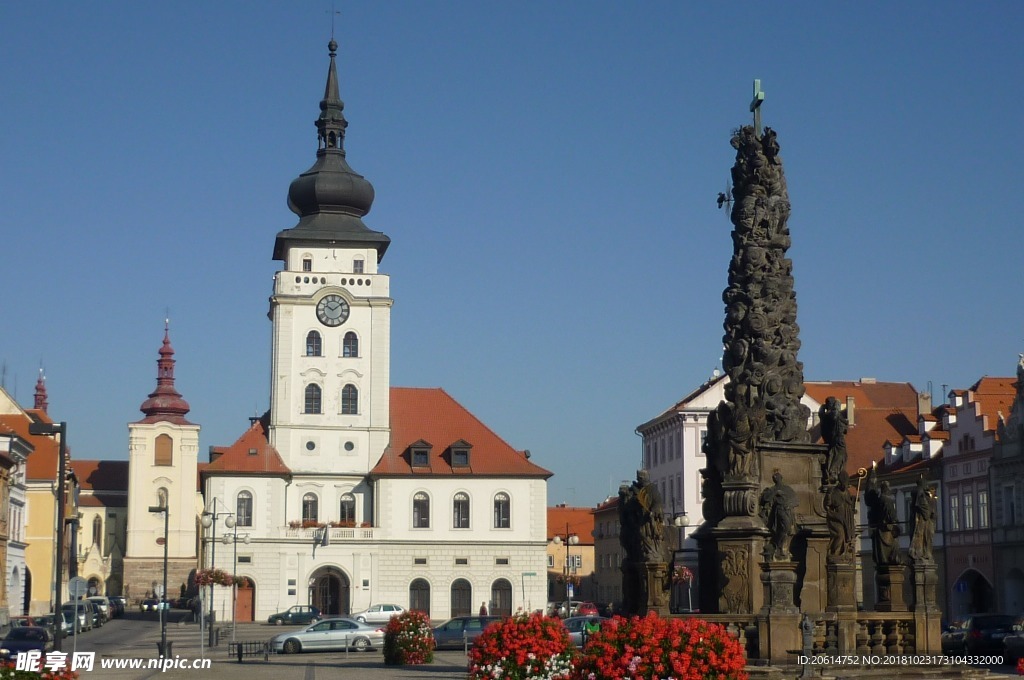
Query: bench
243	649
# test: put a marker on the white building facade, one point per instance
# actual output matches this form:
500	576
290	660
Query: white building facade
351	492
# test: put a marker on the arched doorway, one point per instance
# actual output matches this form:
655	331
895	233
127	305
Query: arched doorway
419	596
501	598
95	586
972	594
329	591
245	599
1014	591
462	598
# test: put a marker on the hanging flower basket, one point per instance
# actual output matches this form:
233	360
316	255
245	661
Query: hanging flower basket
574	579
682	574
217	577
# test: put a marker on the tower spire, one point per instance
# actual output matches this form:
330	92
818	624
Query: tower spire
165	404
330	198
42	403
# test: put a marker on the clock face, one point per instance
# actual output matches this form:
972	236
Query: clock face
332	310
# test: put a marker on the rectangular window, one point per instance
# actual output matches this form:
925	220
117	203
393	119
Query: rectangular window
357	266
1009	506
983	509
460	457
551	561
501	561
420	561
968	511
420	458
307	265
461	561
245	559
954	513
967	468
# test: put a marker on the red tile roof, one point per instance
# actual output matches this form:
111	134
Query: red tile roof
994	395
432	415
251	454
42	463
580	521
883	411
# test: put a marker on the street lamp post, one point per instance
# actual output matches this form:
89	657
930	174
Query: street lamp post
209	521
570	539
233	538
164	650
51	429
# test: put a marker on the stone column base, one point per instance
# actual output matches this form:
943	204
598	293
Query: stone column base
890	578
842	586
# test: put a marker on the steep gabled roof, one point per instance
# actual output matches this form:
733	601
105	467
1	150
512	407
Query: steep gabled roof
432	415
103	483
251	454
42	464
883	411
994	395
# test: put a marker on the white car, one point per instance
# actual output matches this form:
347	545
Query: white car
378	613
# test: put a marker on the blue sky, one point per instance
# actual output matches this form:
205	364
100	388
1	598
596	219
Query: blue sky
547	173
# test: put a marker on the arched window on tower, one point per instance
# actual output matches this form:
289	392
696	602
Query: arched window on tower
310	508
313	399
163	453
314	344
349	400
350	345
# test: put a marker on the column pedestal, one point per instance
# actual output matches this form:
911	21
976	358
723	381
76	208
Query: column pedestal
890	578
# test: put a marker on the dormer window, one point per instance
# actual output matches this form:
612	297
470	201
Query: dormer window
419	454
460	453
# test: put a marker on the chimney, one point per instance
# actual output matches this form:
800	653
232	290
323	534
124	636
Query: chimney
214	453
924	402
851	413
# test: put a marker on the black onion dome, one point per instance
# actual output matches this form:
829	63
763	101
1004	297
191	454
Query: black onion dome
331	198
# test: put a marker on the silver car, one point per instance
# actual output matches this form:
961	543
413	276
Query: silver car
378	613
329	634
576	624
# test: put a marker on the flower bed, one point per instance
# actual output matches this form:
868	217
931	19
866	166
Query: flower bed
217	577
535	647
651	648
408	639
7	672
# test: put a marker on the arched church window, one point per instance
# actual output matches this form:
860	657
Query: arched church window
243	509
97	531
350	345
349	400
314	344
313	399
163	453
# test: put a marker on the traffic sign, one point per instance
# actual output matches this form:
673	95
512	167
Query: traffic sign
78	587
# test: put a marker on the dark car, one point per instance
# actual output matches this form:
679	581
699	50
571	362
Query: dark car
984	633
300	613
1013	644
455	633
25	639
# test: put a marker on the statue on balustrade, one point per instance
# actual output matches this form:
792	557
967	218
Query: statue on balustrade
883	521
923	519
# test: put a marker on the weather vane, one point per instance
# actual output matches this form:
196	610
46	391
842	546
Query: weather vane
333	14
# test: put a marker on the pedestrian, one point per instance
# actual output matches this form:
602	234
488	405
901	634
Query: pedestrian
483	608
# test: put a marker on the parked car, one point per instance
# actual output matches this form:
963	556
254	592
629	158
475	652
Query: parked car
84	610
300	613
119	603
984	633
953	638
586	609
1013	644
25	639
575	625
454	633
102	603
566	611
330	634
378	613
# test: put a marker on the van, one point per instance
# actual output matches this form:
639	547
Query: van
86	613
102	603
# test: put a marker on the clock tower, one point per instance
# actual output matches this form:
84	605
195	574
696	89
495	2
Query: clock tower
331	315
